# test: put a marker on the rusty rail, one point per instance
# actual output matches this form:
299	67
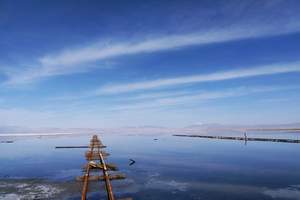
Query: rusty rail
71	147
86	177
96	160
110	194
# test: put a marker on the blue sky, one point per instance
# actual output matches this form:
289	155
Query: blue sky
134	63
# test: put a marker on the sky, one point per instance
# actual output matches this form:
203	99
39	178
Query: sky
94	64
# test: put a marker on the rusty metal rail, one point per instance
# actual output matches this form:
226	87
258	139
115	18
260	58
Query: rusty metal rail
96	161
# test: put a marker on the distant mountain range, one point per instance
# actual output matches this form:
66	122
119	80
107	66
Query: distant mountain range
144	130
18	129
245	127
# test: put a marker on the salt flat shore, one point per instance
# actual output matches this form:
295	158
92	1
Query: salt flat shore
24	189
32	134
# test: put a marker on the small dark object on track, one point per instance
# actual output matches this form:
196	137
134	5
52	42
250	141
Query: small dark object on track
131	162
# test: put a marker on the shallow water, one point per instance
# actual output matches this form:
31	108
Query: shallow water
167	168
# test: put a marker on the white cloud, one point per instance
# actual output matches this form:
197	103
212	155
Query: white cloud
292	192
95	52
217	76
74	60
155	95
158	100
167	185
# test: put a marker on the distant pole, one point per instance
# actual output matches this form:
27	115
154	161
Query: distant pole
245	136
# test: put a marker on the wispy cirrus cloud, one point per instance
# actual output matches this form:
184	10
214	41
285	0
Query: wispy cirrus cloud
98	52
142	89
216	76
160	100
77	60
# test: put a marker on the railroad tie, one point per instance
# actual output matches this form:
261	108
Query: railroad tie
95	157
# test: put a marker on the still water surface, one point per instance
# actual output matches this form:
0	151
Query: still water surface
167	168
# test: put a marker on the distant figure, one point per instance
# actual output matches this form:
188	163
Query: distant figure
245	135
155	139
131	162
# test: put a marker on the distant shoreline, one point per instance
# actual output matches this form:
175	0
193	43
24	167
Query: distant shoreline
140	132
273	129
36	134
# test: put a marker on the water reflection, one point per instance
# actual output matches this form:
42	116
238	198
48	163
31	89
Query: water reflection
166	168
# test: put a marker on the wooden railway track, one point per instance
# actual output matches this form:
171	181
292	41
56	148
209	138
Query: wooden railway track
96	162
